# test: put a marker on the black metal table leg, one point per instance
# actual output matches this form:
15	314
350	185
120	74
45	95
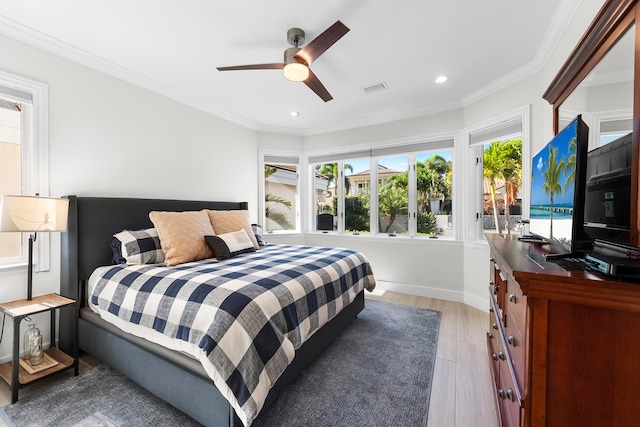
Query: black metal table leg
15	370
53	329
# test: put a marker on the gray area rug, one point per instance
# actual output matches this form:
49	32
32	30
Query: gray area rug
97	397
376	373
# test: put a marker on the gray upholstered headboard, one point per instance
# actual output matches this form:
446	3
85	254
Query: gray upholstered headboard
92	223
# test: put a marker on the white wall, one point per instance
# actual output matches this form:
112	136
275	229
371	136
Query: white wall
109	138
423	125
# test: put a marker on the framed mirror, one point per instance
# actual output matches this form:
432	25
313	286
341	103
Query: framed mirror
598	81
604	97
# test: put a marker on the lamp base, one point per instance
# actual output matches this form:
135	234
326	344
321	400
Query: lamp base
32	238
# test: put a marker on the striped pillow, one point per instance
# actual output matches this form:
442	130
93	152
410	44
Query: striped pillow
137	247
228	245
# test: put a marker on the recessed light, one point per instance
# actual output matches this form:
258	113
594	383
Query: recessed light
294	114
442	79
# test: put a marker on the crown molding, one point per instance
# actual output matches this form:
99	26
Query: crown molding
26	35
565	13
21	33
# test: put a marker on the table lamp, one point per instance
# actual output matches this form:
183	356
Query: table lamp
32	214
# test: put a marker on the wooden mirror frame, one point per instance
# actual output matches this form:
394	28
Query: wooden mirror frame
613	20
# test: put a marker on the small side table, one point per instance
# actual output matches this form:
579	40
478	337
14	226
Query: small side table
14	374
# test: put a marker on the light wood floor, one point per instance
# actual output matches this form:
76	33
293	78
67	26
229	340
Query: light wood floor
461	392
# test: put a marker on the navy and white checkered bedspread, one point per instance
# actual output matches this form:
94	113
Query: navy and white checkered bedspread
242	318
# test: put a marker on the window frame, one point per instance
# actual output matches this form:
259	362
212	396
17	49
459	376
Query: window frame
34	155
475	161
410	147
286	158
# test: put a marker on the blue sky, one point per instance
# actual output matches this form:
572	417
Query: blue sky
399	163
538	196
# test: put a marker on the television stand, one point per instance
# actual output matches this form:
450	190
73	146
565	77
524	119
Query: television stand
562	345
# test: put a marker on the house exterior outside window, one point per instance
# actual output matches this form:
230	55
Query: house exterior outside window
23	160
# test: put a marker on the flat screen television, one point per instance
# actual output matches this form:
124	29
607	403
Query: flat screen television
607	215
558	187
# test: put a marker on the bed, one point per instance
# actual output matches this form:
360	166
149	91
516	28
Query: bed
175	377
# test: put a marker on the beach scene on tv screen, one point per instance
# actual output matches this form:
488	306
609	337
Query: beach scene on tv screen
552	187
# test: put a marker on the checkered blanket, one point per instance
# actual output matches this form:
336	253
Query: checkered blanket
243	318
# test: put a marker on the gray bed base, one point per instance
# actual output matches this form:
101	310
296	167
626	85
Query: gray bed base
85	246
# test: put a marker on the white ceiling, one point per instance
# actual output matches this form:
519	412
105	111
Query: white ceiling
174	47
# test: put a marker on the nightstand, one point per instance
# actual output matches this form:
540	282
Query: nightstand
12	372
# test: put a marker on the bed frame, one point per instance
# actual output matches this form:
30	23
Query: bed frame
85	246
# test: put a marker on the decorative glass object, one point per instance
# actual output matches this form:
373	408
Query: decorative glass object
33	345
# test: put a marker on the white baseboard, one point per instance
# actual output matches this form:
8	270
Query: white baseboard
477	302
423	291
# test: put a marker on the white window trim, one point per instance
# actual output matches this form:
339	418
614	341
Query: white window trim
473	230
301	166
606	116
35	155
402	146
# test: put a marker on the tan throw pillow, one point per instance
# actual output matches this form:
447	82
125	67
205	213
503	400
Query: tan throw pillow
182	235
230	221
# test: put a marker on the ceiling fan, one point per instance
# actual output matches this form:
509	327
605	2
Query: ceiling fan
297	60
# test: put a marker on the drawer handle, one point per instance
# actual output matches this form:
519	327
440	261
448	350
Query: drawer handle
512	298
495	326
501	393
490	309
510	394
501	355
512	340
495	356
490	335
494	286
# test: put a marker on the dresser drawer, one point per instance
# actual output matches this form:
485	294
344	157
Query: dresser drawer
516	303
494	345
514	345
508	397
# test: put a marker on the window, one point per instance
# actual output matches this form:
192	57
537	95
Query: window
502	161
396	190
342	195
393	195
434	185
10	168
281	199
613	129
23	160
502	185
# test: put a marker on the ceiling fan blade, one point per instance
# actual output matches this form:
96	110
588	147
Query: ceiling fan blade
315	85
324	41
276	66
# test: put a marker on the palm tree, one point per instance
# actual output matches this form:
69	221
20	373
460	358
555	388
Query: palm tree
330	170
511	170
432	178
392	201
551	173
503	160
271	211
570	166
492	170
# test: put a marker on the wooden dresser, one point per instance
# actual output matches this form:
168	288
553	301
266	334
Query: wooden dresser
564	346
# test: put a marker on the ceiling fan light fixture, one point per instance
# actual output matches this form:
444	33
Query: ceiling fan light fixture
295	69
296	72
